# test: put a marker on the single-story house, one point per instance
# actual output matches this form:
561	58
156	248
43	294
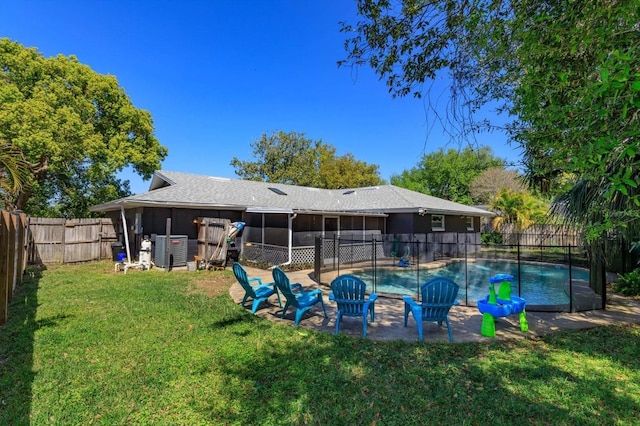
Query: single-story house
283	221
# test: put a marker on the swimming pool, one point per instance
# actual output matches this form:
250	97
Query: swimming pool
540	283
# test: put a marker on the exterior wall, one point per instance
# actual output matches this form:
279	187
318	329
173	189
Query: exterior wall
408	223
458	223
154	219
274	238
401	223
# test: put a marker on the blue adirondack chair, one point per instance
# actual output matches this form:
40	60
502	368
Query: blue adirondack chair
258	292
295	295
438	296
349	293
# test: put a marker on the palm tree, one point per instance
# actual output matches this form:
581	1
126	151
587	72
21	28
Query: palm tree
14	172
518	208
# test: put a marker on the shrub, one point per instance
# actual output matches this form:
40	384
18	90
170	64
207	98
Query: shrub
628	284
491	238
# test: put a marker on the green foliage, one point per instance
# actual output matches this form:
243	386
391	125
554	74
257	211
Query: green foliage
491	238
518	208
567	72
628	284
14	173
579	113
290	158
76	129
448	174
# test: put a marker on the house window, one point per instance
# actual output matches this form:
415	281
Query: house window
470	223
437	222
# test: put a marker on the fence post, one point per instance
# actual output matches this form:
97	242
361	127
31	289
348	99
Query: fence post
12	264
335	255
603	283
317	266
416	250
570	282
4	271
466	274
374	259
167	245
63	226
21	245
519	274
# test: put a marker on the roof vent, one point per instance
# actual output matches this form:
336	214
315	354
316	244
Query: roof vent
277	191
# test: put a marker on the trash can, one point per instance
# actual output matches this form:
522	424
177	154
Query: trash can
117	250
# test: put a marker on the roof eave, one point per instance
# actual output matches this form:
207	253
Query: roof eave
115	205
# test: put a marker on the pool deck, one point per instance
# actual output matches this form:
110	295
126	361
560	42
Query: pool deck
465	321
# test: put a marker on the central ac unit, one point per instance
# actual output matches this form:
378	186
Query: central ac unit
177	255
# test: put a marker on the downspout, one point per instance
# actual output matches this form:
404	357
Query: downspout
290	243
125	232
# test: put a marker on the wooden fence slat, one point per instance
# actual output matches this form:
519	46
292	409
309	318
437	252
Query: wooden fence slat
5	257
11	263
21	258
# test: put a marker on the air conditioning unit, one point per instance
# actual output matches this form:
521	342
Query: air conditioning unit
178	245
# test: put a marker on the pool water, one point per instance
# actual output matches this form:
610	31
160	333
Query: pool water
540	284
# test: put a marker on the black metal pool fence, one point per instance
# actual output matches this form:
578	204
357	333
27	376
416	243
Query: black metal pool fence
550	278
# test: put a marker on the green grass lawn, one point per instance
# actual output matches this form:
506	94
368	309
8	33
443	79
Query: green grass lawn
85	345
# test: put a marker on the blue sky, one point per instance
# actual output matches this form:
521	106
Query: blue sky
216	75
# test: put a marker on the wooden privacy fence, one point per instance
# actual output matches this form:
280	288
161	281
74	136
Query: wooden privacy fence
14	239
542	235
70	241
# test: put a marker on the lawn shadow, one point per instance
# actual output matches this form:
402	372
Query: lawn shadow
16	350
356	381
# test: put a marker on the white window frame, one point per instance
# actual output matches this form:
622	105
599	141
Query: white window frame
439	227
470	227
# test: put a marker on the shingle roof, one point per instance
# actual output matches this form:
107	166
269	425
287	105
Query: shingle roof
175	189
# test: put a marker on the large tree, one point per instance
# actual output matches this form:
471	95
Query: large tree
578	104
292	158
75	128
493	180
566	71
448	174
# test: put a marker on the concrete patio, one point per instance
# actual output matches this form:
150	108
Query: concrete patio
465	321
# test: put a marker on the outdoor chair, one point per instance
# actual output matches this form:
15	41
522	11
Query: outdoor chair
296	296
438	296
349	293
259	292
